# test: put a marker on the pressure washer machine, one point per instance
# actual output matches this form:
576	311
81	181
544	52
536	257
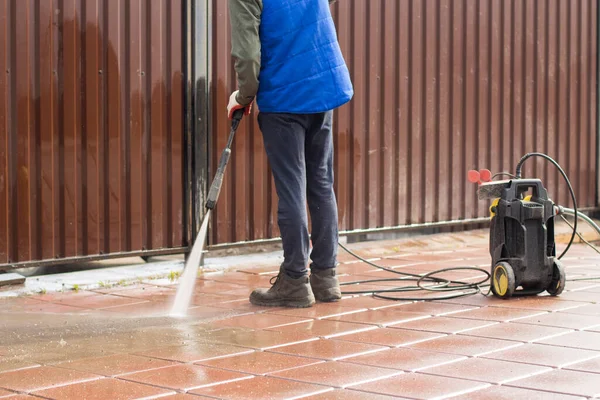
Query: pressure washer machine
522	244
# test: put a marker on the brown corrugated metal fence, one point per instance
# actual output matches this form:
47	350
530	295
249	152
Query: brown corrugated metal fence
442	86
99	155
91	128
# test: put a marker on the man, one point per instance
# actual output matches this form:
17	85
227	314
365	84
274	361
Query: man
287	57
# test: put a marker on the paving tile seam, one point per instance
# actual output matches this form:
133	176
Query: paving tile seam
323	318
396	346
38	389
497	320
483	385
399	326
513	385
503	382
560	367
420	369
22	369
550	336
248	376
231	369
361	382
516	344
66	368
383	348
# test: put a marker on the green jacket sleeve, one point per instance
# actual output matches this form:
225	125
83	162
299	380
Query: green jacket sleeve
245	46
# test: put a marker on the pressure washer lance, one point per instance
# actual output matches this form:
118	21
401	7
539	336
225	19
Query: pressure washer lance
190	271
215	188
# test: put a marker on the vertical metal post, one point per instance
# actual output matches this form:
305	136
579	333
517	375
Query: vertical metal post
200	84
597	102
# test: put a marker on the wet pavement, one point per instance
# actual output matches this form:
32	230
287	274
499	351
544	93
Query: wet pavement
119	343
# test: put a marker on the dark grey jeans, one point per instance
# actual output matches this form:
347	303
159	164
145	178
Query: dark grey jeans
300	151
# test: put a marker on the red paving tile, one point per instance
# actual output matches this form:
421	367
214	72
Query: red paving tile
391	337
182	396
141	309
329	349
541	303
369	302
115	365
487	370
102	389
497	314
214	287
99	301
31	379
325	328
517	332
122	289
185	377
244	306
592	365
61	297
564	320
150	293
420	386
477	300
262	388
405	359
349	394
355	268
509	393
51	308
259	321
589	309
445	325
435	257
260	362
211	312
13	364
435	308
580	295
336	374
540	354
196	352
563	381
318	311
465	345
384	317
260	339
579	340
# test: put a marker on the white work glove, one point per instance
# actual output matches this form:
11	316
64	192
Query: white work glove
234	105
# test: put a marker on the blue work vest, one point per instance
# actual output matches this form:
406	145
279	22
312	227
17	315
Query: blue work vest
302	67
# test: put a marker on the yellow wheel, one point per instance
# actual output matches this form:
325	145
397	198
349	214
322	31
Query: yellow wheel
503	280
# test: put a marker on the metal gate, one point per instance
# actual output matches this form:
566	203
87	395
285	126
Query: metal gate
93	142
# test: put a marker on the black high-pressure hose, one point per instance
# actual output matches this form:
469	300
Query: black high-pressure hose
455	289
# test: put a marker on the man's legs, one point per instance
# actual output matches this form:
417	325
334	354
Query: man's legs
284	136
323	207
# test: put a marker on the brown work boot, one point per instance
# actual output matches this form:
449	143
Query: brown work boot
285	292
325	285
